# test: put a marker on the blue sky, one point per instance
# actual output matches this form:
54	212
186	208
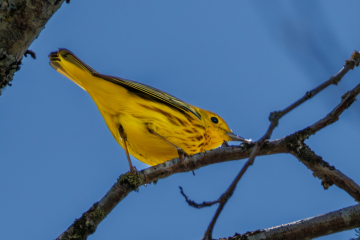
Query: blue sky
240	59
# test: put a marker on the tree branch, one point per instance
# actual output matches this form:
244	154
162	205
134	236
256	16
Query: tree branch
21	21
346	101
328	174
333	222
321	169
274	119
128	182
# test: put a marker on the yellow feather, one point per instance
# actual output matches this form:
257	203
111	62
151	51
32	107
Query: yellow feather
154	122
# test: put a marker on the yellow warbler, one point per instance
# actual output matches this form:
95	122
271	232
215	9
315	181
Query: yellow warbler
151	125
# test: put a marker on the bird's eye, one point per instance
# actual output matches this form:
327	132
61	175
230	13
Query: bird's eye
214	120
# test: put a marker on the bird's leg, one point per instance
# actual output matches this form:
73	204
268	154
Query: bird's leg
225	144
123	139
182	153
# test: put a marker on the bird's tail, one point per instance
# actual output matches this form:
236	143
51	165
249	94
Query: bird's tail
66	63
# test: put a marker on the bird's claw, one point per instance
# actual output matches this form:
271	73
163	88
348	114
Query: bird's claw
225	144
182	154
133	169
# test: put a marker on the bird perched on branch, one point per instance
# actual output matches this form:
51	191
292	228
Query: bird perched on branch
149	124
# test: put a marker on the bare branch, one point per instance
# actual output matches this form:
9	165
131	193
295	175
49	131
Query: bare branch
274	119
349	64
225	197
21	23
128	182
346	101
328	174
321	169
333	222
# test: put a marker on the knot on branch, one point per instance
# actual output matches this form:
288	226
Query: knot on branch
133	179
326	183
354	60
336	80
275	116
356	57
308	95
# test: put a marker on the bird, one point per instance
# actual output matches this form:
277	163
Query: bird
149	124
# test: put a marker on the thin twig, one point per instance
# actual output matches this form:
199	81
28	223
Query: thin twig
225	197
346	101
274	119
31	53
194	204
349	64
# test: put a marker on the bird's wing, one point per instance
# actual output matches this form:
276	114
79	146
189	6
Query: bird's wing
141	90
151	94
